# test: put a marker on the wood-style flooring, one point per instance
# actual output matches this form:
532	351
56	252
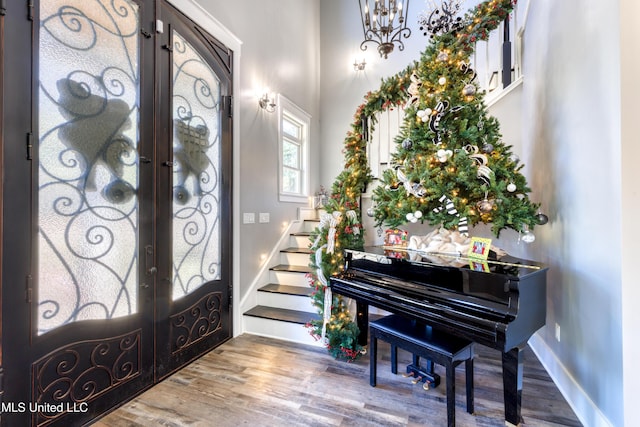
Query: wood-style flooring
257	381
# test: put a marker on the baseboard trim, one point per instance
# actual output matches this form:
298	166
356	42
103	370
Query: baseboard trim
585	409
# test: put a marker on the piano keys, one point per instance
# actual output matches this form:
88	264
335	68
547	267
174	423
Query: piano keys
499	304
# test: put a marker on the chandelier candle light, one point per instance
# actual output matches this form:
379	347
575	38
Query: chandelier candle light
385	24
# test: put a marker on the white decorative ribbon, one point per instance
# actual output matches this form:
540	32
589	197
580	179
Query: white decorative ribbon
413	90
328	298
336	218
330	220
441	109
413	188
484	171
447	203
328	301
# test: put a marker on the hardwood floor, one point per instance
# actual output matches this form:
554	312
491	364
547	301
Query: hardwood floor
256	381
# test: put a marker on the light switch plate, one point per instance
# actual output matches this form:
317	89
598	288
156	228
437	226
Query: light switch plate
248	218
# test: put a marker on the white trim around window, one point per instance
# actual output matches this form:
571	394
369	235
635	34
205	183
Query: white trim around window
293	152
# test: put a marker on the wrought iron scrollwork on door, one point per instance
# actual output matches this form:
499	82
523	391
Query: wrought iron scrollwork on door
87	161
196	153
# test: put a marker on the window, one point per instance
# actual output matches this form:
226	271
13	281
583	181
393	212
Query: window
293	136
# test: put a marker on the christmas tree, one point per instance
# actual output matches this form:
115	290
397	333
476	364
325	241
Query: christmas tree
451	168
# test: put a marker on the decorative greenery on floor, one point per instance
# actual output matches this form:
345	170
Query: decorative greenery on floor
426	166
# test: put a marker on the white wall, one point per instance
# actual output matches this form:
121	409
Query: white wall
572	136
630	64
281	51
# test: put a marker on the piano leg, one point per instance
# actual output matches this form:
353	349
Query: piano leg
362	320
512	379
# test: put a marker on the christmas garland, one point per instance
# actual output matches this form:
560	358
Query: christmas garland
341	226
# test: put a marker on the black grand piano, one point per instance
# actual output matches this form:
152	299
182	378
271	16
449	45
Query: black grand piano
499	304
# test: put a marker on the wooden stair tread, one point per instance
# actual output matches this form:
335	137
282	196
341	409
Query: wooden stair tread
292	268
297	250
282	314
302	234
277	288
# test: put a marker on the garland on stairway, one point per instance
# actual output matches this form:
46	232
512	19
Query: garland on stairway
341	226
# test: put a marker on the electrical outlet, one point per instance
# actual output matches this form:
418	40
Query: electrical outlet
557	332
264	217
249	218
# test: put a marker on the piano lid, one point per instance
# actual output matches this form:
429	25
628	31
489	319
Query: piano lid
507	265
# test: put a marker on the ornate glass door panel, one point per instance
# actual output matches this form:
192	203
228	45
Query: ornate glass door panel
89	84
194	195
196	177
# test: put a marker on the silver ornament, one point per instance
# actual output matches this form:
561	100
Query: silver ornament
485	206
528	237
469	90
443	56
370	212
487	148
407	144
542	219
511	187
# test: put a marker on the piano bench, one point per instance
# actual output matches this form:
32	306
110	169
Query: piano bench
423	341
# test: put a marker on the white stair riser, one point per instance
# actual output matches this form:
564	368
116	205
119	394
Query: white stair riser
300	241
294	258
307	213
288	278
290	302
278	329
310	225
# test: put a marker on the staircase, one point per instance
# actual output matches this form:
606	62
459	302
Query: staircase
283	301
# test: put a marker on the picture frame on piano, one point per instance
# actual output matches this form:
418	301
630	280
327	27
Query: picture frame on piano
396	237
479	248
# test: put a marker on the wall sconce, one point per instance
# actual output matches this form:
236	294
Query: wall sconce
267	102
358	65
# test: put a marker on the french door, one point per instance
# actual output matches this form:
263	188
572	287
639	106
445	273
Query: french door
116	196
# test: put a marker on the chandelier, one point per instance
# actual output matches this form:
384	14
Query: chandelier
384	24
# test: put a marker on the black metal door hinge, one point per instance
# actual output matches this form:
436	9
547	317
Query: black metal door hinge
145	33
228	105
30	10
3	7
29	145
